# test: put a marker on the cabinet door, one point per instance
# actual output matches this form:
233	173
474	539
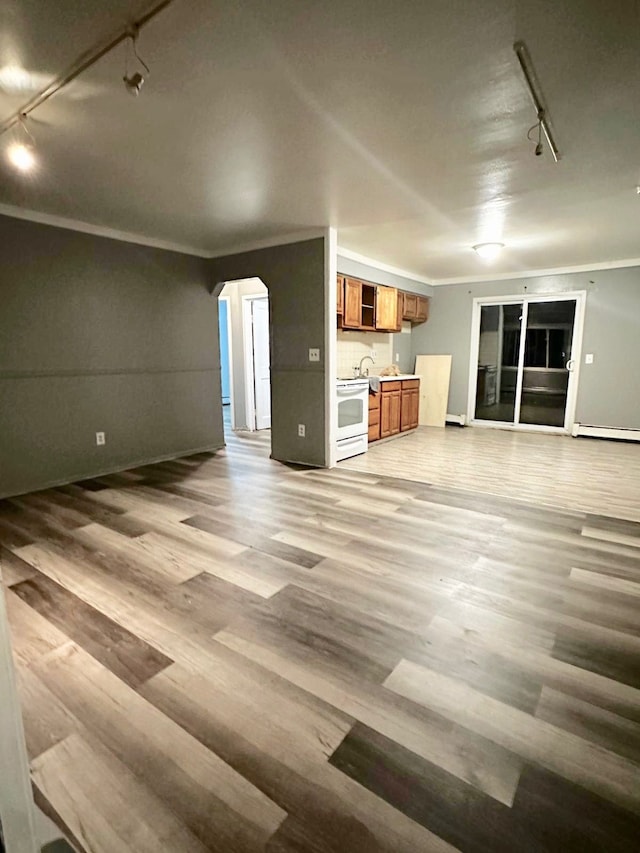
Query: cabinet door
386	308
415	407
410	306
399	312
394	411
340	294
422	309
406	410
352	309
385	414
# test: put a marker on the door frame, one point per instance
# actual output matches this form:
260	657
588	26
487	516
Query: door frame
249	377
230	358
580	299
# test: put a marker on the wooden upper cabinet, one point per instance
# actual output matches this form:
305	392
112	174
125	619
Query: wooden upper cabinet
386	308
352	304
340	294
422	310
376	307
410	310
415	308
399	311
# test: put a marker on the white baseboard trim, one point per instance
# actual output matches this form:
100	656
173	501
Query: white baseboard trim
606	432
456	419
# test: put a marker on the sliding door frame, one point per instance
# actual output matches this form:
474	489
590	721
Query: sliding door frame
577	296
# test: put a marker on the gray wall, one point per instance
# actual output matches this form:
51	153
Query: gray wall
346	266
295	277
608	392
100	335
234	291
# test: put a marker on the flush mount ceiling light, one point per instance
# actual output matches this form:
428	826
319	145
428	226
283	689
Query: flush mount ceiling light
543	124
488	251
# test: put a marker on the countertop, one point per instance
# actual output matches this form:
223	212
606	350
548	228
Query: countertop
381	378
396	378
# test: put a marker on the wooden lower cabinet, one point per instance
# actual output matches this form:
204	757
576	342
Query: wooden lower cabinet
410	404
390	408
374	416
394	408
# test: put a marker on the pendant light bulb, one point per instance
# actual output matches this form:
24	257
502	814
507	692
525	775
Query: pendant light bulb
21	156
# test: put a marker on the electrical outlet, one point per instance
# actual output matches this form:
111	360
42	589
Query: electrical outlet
397	356
374	353
100	439
588	359
302	430
314	354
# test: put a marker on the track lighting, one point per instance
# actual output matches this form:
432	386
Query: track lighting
134	82
543	124
21	154
488	251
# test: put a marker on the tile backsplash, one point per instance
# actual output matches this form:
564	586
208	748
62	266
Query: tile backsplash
352	346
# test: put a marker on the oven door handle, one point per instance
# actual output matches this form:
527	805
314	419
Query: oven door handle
347	392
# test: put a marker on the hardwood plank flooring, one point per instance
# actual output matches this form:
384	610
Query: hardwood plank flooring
533	467
224	653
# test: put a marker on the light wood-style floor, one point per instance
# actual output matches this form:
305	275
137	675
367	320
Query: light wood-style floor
224	654
583	474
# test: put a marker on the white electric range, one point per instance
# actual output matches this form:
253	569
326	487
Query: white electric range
353	417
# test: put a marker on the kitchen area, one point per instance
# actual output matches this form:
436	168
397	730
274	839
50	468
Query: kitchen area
377	393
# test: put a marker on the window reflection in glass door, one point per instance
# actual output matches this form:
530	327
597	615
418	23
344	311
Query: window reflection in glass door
547	353
498	357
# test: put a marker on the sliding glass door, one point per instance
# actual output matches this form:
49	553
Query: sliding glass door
524	361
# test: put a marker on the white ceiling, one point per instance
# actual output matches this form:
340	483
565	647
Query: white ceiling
402	123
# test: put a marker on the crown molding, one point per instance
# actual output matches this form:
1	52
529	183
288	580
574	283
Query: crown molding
97	230
295	237
508	276
372	262
269	242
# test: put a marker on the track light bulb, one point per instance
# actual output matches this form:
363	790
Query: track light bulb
21	156
134	83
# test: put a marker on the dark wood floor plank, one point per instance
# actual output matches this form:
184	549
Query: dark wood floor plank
614	655
615	733
125	654
13	569
565	818
256	539
463	816
210	601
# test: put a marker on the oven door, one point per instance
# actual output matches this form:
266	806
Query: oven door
353	411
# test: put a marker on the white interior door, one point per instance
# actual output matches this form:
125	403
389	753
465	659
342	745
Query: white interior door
261	362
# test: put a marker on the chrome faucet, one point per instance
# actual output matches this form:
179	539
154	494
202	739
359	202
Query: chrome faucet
358	370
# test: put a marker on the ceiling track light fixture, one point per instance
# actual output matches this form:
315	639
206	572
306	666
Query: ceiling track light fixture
543	124
86	61
21	154
134	82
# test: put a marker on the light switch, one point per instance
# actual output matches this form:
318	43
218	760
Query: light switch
314	354
588	359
